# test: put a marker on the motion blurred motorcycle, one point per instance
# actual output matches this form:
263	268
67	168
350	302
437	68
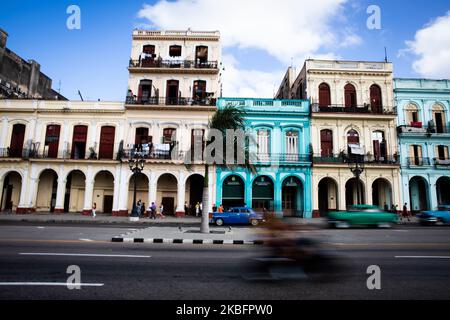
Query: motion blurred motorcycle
291	256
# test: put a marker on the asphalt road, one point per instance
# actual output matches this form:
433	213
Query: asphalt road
414	262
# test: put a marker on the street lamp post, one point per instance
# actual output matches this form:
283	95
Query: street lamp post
136	166
356	166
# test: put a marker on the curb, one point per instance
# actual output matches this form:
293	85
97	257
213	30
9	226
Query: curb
187	241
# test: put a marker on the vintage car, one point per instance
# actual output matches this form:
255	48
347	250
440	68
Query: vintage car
436	217
237	215
362	215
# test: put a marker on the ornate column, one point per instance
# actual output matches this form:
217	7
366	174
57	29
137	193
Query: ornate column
181	194
60	191
4	136
89	192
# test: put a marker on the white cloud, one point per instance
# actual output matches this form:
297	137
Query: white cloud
287	29
432	46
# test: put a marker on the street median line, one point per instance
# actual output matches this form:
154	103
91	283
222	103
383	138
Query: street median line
187	241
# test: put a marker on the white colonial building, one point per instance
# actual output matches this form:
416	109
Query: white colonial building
353	114
64	156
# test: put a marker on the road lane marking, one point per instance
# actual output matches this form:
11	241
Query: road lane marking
82	255
65	284
423	257
88	240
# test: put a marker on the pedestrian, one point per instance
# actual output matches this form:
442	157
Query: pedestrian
94	207
138	208
220	210
197	209
142	213
386	207
405	211
153	210
186	208
201	208
214	208
161	212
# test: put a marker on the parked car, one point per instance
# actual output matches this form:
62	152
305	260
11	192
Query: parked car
237	215
362	215
435	217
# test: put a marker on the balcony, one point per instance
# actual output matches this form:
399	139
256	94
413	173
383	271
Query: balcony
442	163
173	64
368	159
281	158
422	130
168	101
365	109
418	162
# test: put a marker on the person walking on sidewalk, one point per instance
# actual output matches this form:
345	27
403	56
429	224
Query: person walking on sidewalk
153	211
161	212
94	207
197	209
405	211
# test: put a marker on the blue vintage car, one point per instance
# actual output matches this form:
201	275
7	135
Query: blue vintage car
237	215
439	217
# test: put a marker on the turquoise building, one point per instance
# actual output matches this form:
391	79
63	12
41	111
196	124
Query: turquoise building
281	155
424	138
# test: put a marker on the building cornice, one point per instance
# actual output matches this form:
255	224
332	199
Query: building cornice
173	71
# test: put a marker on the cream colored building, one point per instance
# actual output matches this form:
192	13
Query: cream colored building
64	156
352	105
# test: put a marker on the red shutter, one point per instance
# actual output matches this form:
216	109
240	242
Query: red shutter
324	95
52	140
17	138
375	99
106	149
326	143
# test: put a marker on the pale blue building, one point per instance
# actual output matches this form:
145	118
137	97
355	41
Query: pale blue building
282	182
424	138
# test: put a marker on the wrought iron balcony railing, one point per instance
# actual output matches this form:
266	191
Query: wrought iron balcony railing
421	130
182	64
270	158
444	162
168	101
418	162
365	109
346	158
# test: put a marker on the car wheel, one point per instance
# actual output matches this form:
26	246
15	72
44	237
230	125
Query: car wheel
254	222
219	222
342	225
440	222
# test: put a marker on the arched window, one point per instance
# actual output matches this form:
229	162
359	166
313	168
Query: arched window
324	95
201	55
326	143
199	90
145	91
438	118
379	146
263	139
350	96
352	137
376	103
412	115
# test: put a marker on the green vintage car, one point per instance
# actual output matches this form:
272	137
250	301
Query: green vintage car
362	215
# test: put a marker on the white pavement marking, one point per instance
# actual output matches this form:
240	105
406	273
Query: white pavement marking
85	239
82	255
423	257
65	284
41	227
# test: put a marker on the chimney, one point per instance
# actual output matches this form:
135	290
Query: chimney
34	78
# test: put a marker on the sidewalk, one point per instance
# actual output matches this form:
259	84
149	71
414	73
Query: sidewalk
99	219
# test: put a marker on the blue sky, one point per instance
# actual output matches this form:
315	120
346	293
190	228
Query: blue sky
94	59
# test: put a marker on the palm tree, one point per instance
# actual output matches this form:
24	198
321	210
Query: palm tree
229	117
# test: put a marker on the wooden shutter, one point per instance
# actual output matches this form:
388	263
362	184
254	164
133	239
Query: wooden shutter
17	138
106	149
